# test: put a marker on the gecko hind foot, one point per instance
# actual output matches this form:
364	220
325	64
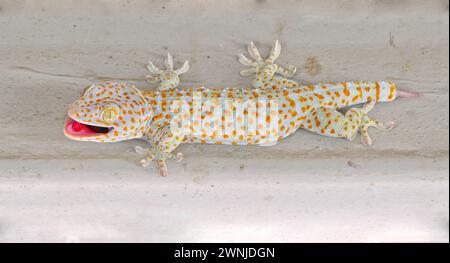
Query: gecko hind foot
365	137
367	122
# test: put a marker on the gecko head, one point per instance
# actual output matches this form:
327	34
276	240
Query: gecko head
107	113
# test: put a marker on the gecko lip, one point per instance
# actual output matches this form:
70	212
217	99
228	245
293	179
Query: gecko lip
76	129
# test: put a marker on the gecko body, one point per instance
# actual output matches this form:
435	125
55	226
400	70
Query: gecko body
272	109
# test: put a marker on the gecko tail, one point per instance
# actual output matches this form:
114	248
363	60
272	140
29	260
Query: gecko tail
407	94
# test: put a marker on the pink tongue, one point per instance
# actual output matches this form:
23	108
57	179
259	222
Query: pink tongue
80	127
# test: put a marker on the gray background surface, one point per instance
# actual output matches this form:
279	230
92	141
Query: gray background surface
306	188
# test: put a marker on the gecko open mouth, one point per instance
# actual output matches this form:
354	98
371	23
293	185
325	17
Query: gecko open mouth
74	128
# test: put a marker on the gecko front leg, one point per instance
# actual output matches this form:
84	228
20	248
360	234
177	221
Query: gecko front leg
164	141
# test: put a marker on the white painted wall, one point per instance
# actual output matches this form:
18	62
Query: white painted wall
306	188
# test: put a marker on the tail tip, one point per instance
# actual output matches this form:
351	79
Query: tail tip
408	94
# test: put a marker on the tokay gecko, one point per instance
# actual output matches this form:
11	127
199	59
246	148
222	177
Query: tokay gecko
274	107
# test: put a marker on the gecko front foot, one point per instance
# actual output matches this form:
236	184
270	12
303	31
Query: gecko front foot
259	64
161	158
168	78
148	152
162	162
361	116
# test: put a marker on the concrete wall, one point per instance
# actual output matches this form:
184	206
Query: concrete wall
306	188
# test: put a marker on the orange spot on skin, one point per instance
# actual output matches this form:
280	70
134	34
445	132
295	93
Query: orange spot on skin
377	91
346	91
360	93
392	90
320	97
103	122
291	103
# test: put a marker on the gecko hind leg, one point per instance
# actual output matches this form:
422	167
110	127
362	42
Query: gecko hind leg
330	122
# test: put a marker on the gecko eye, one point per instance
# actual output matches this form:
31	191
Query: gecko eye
109	114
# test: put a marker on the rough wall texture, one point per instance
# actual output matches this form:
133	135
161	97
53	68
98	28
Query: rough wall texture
306	188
